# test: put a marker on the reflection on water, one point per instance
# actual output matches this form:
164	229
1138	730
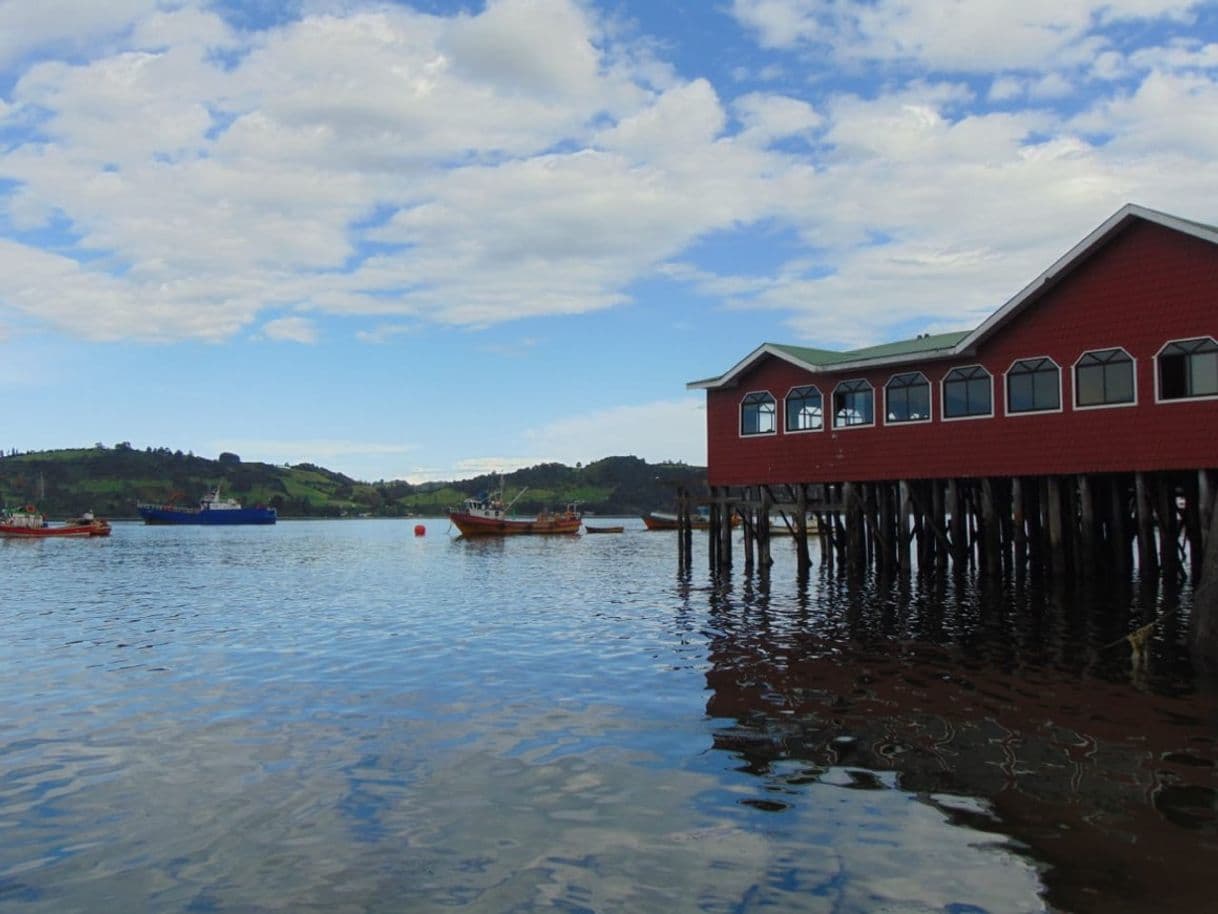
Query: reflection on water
1016	714
330	716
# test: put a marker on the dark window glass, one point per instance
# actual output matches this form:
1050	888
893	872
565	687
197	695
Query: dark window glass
1032	385
1189	369
853	404
757	414
805	409
907	398
1104	377
966	392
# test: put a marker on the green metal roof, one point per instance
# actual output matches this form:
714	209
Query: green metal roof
827	357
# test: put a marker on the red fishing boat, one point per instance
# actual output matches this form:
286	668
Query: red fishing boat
29	522
487	515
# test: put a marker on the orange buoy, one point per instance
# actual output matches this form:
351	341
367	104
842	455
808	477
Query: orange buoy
419	529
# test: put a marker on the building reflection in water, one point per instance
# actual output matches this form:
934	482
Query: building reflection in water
1016	712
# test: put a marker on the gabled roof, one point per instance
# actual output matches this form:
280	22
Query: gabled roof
952	345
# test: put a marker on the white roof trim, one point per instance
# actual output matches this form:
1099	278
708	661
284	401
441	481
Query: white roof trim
726	380
1097	237
1013	305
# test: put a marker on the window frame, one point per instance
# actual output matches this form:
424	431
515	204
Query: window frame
1133	367
740	416
930	399
1159	398
944	417
804	431
1006	390
833	404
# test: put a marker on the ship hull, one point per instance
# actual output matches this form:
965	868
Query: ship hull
473	525
224	518
98	529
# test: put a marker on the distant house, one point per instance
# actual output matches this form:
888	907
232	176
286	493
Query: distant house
1107	362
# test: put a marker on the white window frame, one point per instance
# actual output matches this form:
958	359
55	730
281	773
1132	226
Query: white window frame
1158	396
1074	380
803	431
833	406
943	416
930	401
740	433
1019	414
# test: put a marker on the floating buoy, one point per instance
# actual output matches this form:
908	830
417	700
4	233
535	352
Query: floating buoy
419	529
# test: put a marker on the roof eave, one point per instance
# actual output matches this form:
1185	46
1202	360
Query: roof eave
1080	251
729	378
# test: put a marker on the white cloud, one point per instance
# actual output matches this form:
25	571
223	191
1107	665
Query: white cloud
68	25
383	333
291	329
531	160
664	430
952	35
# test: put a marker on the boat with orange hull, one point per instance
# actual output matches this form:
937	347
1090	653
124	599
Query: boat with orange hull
487	515
29	523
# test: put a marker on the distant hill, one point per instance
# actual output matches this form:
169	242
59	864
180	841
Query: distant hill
110	481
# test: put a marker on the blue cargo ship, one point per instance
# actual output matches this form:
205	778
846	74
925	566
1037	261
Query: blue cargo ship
212	510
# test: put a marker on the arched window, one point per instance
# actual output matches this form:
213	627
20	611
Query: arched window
1034	385
907	398
1188	368
853	404
805	410
757	414
968	393
1104	377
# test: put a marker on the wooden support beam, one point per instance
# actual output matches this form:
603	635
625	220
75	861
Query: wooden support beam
956	521
1085	560
802	560
1018	526
1148	565
1056	527
989	527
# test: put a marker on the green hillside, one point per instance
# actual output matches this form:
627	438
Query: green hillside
111	481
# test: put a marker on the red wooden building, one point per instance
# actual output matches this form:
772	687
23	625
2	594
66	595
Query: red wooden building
1080	419
1105	363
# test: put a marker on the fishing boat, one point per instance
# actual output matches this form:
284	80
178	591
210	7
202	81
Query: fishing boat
212	510
487	515
29	522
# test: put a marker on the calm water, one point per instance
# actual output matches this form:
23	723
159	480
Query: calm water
338	716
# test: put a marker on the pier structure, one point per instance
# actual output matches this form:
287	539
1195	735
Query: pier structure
1073	433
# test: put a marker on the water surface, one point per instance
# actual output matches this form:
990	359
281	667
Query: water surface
340	716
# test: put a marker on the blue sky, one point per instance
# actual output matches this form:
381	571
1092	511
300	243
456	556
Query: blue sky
427	239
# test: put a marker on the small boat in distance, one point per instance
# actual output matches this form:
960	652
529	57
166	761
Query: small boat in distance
487	515
666	520
30	523
212	510
588	529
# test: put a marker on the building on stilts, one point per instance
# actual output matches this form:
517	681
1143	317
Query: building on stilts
1074	431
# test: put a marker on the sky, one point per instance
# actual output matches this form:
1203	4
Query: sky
427	239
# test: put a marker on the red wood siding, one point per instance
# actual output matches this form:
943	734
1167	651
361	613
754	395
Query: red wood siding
1143	288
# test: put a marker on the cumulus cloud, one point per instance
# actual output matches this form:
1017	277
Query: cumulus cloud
534	158
291	329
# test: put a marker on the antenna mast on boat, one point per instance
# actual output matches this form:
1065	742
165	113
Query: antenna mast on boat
517	498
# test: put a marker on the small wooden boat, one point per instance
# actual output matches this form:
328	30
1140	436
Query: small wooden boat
662	520
487	515
588	529
29	523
